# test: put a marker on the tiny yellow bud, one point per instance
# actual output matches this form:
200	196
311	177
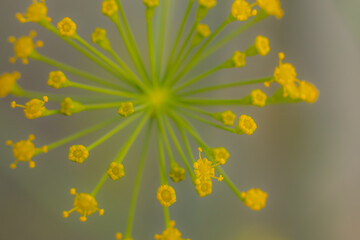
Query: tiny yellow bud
57	79
242	10
166	195
151	3
115	171
262	45
109	8
221	155
23	47
254	199
272	7
35	13
8	82
126	109
239	59
78	153
67	27
308	92
246	125
258	98
203	30
203	188
207	3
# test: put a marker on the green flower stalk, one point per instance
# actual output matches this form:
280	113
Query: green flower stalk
161	96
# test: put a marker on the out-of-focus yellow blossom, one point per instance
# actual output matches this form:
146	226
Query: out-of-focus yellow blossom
126	109
78	153
221	155
246	125
272	7
242	10
171	233
254	199
57	79
8	82
85	204
258	98
166	195
35	13
239	59
204	188
24	46
67	27
115	171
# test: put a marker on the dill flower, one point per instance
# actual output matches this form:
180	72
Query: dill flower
158	95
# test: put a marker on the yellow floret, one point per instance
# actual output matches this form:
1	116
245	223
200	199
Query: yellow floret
284	74
207	3
85	204
227	118
166	195
258	98
292	90
262	45
254	199
36	12
99	37
171	233
34	108
118	236
109	8
203	30
151	3
242	10
239	59
78	153
69	107
177	174
204	188
308	92
205	170
272	7
246	125
57	79
115	171
126	109
24	46
221	155
67	27
8	82
25	150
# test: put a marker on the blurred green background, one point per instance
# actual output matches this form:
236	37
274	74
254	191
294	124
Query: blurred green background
305	156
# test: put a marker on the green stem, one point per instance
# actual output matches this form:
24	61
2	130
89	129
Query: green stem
180	150
198	78
99	185
149	17
162	23
163	176
214	102
137	183
89	55
227	38
123	74
223	86
121	155
202	48
166	141
114	131
130	42
186	16
208	122
103	90
81	134
36	56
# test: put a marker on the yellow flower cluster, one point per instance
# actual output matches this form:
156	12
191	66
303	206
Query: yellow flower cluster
203	30
78	153
207	3
36	12
67	27
85	204
57	79
126	109
239	59
170	233
254	199
24	151
34	108
166	195
258	98
246	125
109	8
242	10
8	82
115	171
24	47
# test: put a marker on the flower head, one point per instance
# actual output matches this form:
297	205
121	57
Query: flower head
34	108
246	125
272	7
171	233
24	47
67	27
262	45
126	109
8	82
242	10
99	37
258	98
151	3
177	174
166	195
85	204
205	170
109	8
254	199
207	3
239	59
227	117
78	153
285	73
57	79
308	92
36	12
25	150
221	155
204	188
115	171
203	30
69	107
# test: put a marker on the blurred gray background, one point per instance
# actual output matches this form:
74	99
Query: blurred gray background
305	156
